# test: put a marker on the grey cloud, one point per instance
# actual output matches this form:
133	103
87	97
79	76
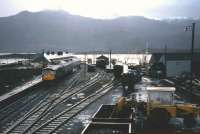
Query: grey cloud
181	8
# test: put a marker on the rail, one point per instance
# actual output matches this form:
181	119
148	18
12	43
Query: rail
30	120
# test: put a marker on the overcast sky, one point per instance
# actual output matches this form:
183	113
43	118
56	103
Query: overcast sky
107	8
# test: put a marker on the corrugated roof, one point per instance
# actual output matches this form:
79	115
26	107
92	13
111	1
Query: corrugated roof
102	57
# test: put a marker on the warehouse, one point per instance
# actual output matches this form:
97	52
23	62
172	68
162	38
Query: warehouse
177	63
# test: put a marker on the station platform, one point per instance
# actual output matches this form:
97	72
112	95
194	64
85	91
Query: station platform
21	88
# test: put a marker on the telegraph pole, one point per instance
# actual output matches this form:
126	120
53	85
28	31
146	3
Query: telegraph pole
83	70
85	65
110	59
191	28
192	53
165	55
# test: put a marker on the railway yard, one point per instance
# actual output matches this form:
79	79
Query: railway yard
95	100
99	67
47	106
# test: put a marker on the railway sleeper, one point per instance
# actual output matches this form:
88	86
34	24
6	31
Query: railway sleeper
21	127
35	116
57	121
60	119
27	122
15	132
42	132
31	119
53	124
45	129
63	120
67	117
64	117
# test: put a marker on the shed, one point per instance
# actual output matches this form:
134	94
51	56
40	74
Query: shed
102	61
177	63
102	57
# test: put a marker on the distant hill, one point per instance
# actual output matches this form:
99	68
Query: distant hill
29	31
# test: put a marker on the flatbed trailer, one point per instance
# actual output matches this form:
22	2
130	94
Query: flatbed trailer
107	120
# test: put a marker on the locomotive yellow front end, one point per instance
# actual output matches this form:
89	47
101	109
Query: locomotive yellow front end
48	75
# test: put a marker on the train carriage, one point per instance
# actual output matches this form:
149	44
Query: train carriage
60	68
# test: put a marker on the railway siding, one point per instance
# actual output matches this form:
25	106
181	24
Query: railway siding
40	117
53	124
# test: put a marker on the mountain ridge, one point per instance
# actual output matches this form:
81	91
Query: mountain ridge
49	30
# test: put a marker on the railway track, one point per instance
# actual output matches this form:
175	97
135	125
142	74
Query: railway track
17	109
54	123
14	110
36	116
6	111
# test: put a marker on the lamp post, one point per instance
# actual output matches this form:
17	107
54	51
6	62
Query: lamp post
191	28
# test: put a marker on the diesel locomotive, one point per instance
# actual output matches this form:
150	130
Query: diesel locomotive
60	68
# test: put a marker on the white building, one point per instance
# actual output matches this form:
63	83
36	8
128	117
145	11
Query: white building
132	59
